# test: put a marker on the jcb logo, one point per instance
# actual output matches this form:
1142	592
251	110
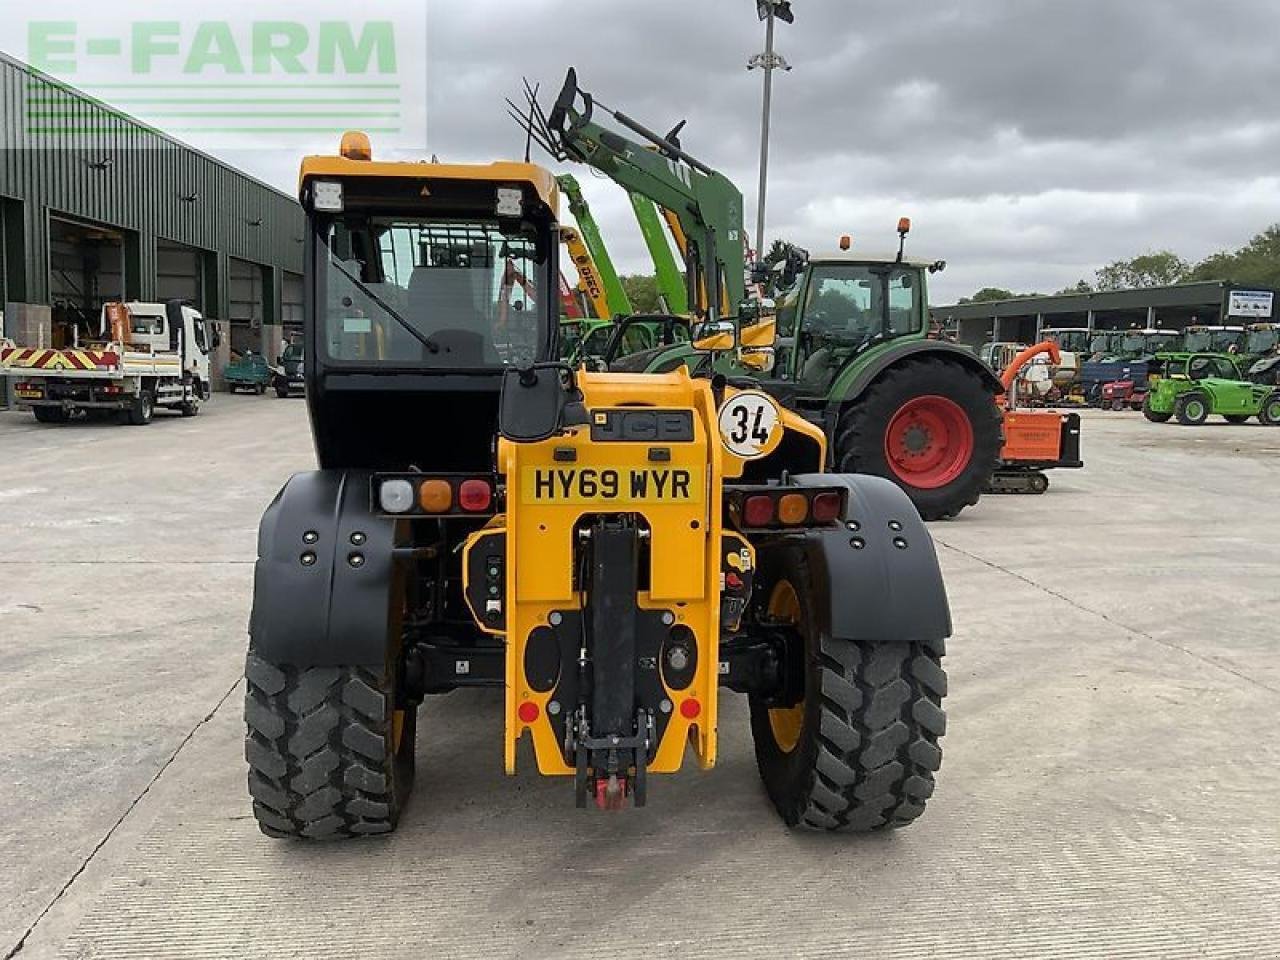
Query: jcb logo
642	426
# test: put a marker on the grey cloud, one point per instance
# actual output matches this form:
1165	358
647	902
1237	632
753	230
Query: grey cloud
1030	140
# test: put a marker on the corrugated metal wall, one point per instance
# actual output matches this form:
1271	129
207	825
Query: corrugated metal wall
108	169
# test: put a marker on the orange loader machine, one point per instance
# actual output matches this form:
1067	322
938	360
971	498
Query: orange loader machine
1035	440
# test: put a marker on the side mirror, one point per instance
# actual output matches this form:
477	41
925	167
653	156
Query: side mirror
533	402
760	359
718	337
759	335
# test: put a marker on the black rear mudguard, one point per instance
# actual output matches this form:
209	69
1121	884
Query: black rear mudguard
876	575
325	588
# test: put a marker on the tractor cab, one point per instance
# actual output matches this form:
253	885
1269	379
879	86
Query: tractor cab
840	306
1205	366
1262	339
1213	339
1106	344
1145	344
1076	340
412	316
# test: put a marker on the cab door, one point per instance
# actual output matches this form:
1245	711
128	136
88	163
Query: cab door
1230	394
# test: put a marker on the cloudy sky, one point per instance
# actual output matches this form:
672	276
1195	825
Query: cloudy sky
1030	141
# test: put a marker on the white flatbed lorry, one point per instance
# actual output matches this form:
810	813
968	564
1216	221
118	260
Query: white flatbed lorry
149	355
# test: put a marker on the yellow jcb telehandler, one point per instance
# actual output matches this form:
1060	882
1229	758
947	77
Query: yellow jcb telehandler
612	550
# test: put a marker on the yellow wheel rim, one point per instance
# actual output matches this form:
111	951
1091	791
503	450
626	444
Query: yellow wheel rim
397	730
787	723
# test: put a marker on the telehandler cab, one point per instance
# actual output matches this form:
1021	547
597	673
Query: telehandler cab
611	550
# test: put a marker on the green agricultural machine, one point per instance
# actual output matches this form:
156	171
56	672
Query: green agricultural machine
1199	338
1197	386
1145	344
595	336
852	351
1262	350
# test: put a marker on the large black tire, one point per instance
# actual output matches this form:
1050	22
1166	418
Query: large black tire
1152	415
860	442
50	414
1192	408
324	757
282	389
867	745
1270	412
140	411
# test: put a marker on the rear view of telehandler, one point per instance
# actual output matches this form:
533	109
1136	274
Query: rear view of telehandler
612	550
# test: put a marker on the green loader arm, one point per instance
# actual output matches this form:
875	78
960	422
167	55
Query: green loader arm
667	272
707	204
614	291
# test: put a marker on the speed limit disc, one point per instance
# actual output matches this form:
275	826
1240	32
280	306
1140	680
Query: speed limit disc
750	424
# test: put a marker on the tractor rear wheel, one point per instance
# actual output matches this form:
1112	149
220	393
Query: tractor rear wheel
929	425
860	750
1192	409
1154	416
330	752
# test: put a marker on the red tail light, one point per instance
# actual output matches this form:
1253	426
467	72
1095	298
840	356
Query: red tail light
826	507
475	496
758	511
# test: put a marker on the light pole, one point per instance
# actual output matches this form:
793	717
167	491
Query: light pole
769	11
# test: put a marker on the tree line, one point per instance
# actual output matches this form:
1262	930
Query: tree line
1256	263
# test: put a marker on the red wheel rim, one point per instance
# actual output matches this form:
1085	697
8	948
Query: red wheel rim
929	442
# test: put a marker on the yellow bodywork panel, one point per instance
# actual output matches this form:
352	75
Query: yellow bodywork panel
498	172
588	274
676	492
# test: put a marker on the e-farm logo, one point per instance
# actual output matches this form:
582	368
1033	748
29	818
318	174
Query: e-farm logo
252	81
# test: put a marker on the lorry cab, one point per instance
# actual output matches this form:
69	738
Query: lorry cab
162	327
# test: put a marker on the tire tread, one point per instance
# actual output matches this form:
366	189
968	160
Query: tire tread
316	745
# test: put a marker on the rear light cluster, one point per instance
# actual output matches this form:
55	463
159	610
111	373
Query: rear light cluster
413	494
111	389
784	507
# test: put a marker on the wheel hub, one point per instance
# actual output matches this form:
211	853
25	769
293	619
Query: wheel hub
786	723
929	442
917	439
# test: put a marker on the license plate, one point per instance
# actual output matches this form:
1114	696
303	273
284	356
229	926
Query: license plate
611	485
29	394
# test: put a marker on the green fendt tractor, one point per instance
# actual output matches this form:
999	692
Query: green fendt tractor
1200	385
853	352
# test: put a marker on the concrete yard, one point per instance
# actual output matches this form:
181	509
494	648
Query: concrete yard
1109	789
